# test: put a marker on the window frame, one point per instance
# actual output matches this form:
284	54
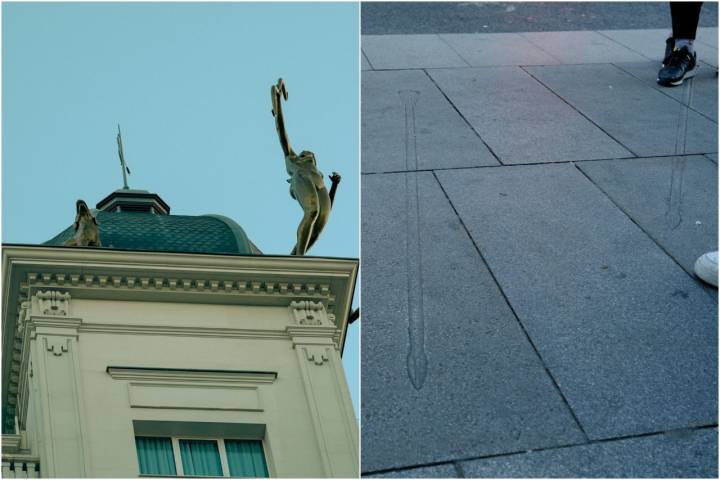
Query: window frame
220	441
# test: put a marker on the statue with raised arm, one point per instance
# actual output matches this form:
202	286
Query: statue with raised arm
306	181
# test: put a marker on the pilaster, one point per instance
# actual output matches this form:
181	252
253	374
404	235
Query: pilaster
313	338
53	377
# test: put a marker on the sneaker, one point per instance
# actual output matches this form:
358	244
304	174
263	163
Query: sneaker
706	268
669	47
681	65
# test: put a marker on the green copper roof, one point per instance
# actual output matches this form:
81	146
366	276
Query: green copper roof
167	233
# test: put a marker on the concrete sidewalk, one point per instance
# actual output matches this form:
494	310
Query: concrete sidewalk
533	205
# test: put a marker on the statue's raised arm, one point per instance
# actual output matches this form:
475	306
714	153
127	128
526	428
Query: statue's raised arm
278	92
307	185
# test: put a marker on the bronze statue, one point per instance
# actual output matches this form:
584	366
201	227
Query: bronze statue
306	181
87	233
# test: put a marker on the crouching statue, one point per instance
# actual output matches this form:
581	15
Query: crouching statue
87	233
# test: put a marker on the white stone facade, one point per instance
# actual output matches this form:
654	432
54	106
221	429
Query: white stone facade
100	346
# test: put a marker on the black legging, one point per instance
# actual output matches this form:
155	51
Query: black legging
685	18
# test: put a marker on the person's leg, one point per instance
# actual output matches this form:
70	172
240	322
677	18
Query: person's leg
685	18
680	61
306	195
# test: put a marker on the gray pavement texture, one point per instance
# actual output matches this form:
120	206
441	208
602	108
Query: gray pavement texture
670	455
530	225
704	98
648	126
439	128
383	18
645	42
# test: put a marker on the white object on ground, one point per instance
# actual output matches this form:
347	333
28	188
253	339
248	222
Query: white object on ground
706	268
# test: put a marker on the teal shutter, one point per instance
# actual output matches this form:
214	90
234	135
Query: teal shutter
200	457
155	456
246	458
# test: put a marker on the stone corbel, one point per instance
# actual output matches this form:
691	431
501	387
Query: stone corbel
316	353
51	303
23	317
56	345
307	312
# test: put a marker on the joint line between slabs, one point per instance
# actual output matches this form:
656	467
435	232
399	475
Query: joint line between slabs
504	65
663	91
558	162
529	40
492	152
579	112
367	59
628	47
647	234
439	35
517	317
459	461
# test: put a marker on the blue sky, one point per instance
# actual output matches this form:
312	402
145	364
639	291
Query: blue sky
189	83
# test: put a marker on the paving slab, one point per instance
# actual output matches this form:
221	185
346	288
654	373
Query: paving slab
674	199
436	471
713	157
401	105
582	47
683	454
708	36
496	49
365	64
651	43
641	118
628	335
409	51
700	93
708	55
447	372
521	120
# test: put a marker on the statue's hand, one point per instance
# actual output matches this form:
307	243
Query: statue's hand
335	178
277	91
281	88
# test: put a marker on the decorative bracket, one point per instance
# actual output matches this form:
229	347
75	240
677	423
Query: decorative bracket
56	345
23	316
316	353
51	302
307	312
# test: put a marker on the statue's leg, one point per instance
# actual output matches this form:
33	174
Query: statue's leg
323	216
307	196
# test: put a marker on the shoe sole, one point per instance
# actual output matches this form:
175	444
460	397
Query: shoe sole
687	75
706	274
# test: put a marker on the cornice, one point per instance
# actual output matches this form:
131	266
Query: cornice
89	256
191	278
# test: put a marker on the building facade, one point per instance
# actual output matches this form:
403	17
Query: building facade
176	349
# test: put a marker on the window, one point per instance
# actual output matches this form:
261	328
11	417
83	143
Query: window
200	457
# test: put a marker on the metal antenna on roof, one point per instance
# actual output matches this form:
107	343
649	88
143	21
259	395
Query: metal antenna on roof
123	165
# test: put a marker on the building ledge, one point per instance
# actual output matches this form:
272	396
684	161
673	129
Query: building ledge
11	443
